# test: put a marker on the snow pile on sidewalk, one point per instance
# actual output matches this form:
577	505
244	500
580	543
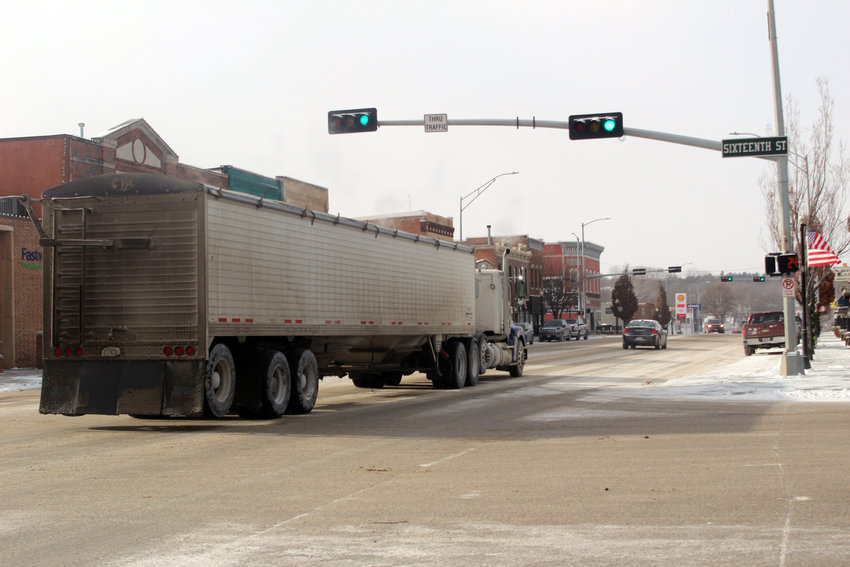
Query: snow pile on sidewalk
757	377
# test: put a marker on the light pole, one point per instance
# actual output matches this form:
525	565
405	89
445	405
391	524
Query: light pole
583	279
477	193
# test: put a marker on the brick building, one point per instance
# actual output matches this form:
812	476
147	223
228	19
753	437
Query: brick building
417	222
32	165
20	292
563	260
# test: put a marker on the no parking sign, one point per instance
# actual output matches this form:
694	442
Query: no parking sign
788	286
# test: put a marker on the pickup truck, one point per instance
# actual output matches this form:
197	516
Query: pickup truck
577	328
764	330
554	330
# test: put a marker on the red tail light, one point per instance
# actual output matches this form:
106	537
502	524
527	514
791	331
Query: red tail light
68	351
654	331
178	351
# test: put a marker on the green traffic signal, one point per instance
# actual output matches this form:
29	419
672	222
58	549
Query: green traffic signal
591	126
352	121
759	279
726	278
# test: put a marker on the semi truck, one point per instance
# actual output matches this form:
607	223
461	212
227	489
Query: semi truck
168	297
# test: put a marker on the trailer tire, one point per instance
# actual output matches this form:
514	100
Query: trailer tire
473	362
517	369
453	367
219	381
305	381
277	384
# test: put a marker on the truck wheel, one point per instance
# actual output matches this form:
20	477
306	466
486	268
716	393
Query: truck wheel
305	381
516	370
748	350
453	367
585	335
219	381
277	384
392	378
482	354
368	380
473	362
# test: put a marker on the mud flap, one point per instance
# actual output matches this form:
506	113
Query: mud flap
133	387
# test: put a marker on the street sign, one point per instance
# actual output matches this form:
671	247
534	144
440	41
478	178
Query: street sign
436	123
788	286
842	273
754	147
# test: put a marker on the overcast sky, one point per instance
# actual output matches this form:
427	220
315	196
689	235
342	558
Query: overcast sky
250	83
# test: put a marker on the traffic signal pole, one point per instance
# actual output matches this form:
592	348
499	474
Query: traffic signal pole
792	363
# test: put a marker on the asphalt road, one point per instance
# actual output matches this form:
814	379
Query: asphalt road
572	464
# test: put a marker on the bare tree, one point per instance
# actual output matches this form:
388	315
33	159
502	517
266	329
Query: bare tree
817	187
557	296
719	300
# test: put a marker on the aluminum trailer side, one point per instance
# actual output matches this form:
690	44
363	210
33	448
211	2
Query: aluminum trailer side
165	297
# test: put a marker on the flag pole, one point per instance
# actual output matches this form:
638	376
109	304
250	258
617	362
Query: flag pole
804	256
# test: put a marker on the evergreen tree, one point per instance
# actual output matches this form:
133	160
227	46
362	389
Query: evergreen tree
662	310
624	302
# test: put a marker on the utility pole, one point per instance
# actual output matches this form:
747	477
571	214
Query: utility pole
791	364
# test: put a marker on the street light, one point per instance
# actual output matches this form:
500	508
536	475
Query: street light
477	193
583	279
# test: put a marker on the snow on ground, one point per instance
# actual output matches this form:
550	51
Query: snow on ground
753	377
757	377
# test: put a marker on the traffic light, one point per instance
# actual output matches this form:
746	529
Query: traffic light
352	121
674	269
726	278
770	265
759	279
639	272
591	126
787	263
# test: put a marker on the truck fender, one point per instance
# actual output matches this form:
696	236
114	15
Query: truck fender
516	331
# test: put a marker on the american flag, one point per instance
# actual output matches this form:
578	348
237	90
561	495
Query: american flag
819	253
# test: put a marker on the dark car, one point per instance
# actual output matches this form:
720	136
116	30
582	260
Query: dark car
528	329
554	330
644	332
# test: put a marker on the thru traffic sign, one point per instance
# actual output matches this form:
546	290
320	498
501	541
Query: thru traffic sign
436	123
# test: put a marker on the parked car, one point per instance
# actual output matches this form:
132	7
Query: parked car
528	329
578	328
554	330
765	330
713	325
644	332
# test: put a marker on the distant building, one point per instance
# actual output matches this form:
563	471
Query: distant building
563	261
416	222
